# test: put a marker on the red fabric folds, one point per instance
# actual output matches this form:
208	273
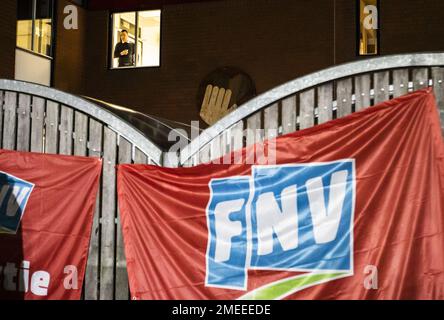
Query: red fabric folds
46	258
398	151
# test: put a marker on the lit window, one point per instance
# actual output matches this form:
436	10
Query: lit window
34	25
131	28
368	27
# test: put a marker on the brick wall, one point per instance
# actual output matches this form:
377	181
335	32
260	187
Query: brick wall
70	55
272	40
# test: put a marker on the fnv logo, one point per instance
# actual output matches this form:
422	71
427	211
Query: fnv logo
14	196
294	217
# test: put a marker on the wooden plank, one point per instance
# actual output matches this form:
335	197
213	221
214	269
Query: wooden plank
420	78
108	217
92	267
306	107
253	127
400	82
438	87
66	130
216	150
204	154
344	97
237	136
24	123
140	157
289	115
37	120
51	127
2	100
125	148
381	86
80	133
362	91
9	121
271	122
325	102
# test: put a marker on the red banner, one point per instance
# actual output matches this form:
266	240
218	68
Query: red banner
352	209
46	208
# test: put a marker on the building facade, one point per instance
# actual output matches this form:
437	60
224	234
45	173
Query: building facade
271	41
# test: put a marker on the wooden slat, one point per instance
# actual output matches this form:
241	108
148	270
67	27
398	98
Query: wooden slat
237	136
24	123
9	121
51	127
400	82
325	102
80	134
289	115
420	78
2	96
253	126
204	154
306	106
216	150
66	130
108	217
121	271
381	86
37	119
344	97
271	122
438	87
362	91
140	157
92	268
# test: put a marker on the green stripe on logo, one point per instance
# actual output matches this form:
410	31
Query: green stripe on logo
285	287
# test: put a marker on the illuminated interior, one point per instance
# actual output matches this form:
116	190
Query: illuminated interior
368	37
147	38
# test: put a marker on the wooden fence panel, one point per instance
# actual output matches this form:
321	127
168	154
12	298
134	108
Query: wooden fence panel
24	122
37	120
420	78
400	82
325	102
66	130
237	136
140	157
51	127
438	87
362	91
92	269
289	115
125	148
204	154
108	222
9	123
271	122
80	134
381	86
306	106
344	94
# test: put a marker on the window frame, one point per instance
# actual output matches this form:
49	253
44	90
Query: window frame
358	31
111	44
53	31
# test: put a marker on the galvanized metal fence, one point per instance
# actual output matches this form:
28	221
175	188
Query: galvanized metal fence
41	119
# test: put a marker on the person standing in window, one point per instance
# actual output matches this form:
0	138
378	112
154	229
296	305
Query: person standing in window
124	51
